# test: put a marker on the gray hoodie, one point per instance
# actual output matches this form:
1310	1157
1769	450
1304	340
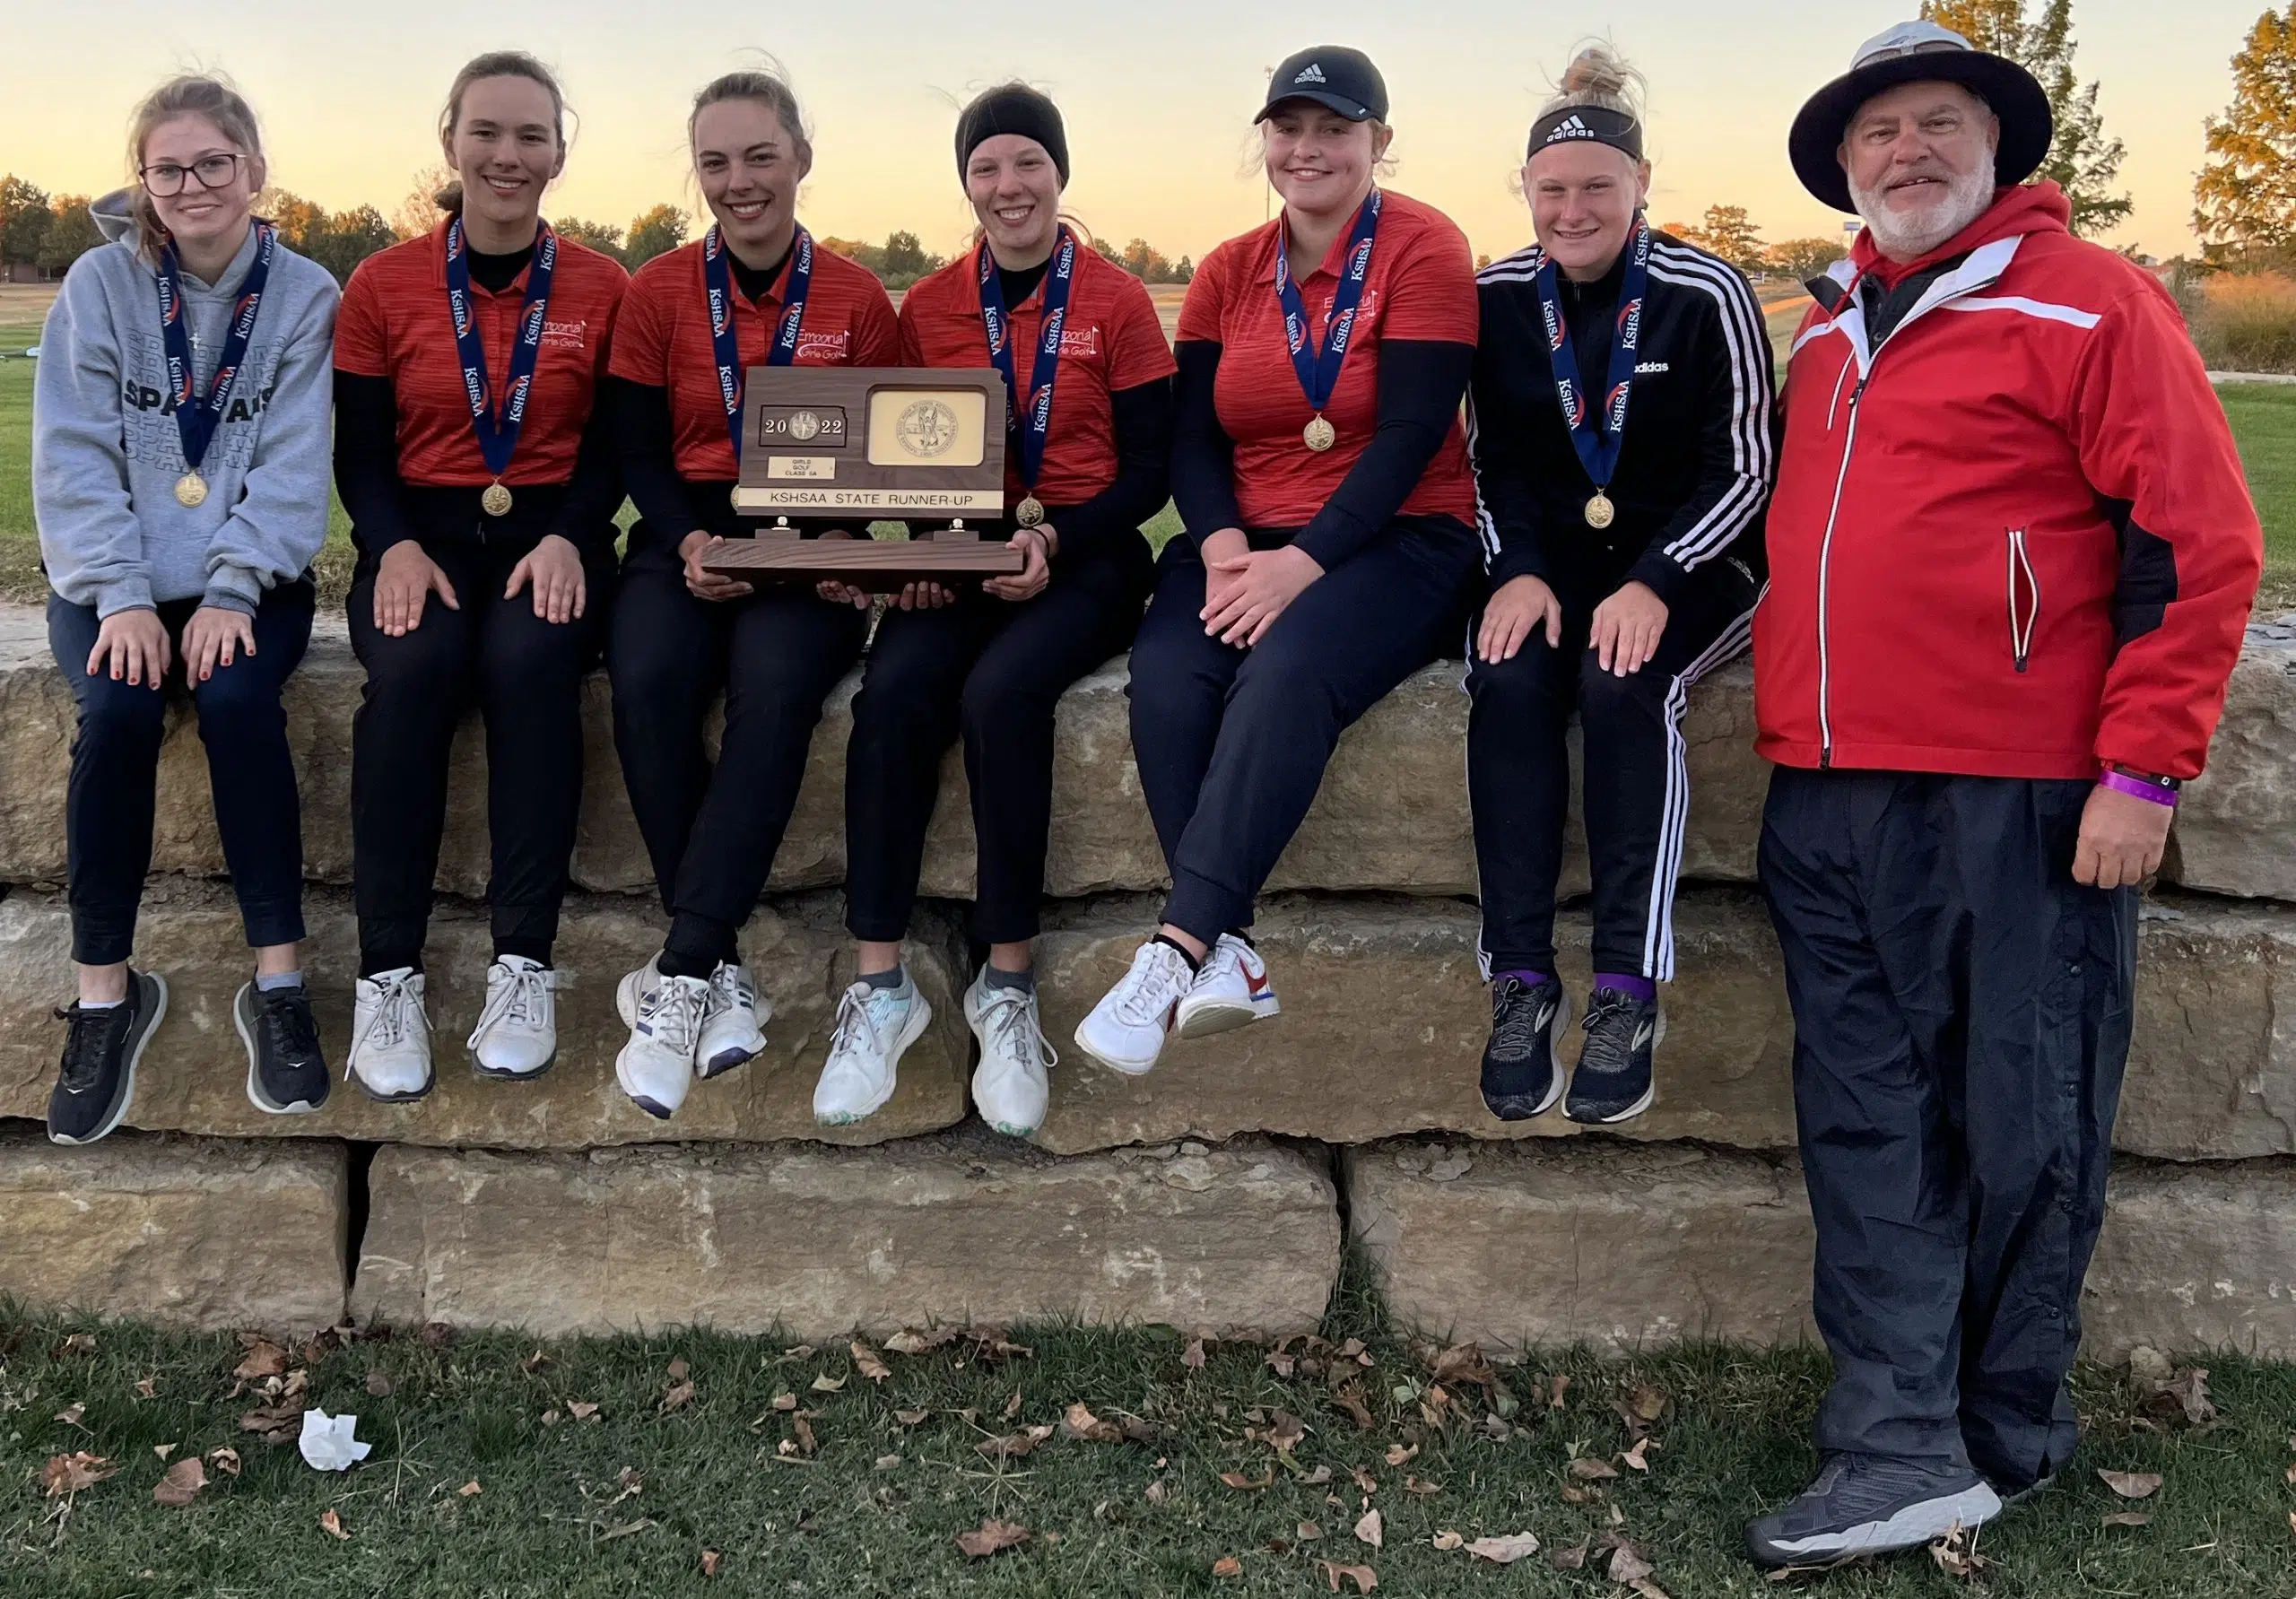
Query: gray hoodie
106	453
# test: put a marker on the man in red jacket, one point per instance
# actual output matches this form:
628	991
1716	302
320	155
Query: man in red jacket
2011	560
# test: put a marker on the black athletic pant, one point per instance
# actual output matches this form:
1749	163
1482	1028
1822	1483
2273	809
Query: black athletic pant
1962	1013
107	809
526	676
712	833
1232	744
1637	776
991	672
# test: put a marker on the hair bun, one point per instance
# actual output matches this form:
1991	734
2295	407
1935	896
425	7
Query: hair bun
1594	70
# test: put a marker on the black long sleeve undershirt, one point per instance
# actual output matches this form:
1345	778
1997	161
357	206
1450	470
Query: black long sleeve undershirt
1420	382
385	509
1142	420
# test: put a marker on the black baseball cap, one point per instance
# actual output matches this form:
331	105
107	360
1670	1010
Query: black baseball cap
1333	76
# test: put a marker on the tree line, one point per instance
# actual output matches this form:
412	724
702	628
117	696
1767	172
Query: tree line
2244	198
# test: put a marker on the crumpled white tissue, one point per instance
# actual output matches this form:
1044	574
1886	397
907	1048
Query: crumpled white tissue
327	1444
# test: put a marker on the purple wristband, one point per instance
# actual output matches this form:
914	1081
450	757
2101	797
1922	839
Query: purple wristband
2120	783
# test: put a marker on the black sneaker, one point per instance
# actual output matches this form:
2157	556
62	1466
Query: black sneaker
97	1082
1521	1075
1870	1504
1612	1082
286	1073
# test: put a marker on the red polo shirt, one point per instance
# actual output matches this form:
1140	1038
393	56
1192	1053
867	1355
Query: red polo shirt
1421	287
1110	341
395	323
662	340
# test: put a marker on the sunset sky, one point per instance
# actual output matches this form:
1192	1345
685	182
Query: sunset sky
1156	97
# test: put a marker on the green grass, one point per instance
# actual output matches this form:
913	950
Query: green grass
552	1516
2263	421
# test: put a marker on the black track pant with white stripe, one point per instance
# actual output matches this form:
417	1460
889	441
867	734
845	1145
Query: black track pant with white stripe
1637	777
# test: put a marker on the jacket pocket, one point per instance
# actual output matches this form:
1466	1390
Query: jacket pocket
2024	591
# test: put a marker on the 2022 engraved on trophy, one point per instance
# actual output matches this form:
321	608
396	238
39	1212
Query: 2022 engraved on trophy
924	445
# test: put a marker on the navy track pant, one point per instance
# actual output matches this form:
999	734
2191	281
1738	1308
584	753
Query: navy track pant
1232	744
1961	1014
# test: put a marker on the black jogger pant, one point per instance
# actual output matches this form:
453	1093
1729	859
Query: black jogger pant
1636	775
991	672
526	676
108	807
1961	1012
1232	744
712	833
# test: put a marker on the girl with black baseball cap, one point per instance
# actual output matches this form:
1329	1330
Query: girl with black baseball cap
1620	421
754	291
481	483
1321	472
1088	460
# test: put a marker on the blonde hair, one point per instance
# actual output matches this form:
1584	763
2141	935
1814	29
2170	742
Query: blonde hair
767	89
190	95
494	63
1598	75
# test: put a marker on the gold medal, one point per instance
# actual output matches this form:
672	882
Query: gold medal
1030	512
496	500
1600	511
1320	436
191	490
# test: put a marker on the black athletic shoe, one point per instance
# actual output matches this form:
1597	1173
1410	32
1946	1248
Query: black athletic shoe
1521	1075
286	1073
1612	1082
97	1082
1870	1504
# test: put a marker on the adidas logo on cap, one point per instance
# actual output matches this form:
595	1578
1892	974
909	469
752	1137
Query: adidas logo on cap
1309	74
1571	127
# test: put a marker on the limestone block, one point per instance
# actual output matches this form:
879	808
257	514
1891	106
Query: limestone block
194	1073
816	1243
2236	828
1383	1026
2212	1070
1529	1245
193	1232
2196	1257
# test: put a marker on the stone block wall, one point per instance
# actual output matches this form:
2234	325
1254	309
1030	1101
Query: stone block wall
1217	1192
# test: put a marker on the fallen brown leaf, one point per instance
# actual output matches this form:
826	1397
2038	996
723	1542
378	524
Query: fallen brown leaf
1227	1565
910	1418
2131	1485
332	1524
1155	1492
866	1362
908	1341
1192	1357
1647	1403
803	1430
1587	1469
1078	1422
678	1398
1364	1479
993	1535
2128	1518
1236	1480
277	1424
1308	1532
1284	1431
1506	1550
163	1450
784	1403
469	1490
1282	1362
1634	1456
264	1359
1364	1578
829	1384
1644	1589
1013	1405
147	1388
1349	1397
798	1352
581	1410
1956	1555
1448	1541
1413	1486
225	1461
182	1483
436	1335
1399	1452
1628	1566
679	1370
709	1560
1556	1388
71	1413
534	1361
1371	1530
379	1384
79	1343
1572	1559
1013	1445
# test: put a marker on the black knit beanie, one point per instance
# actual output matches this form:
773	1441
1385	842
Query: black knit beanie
1013	110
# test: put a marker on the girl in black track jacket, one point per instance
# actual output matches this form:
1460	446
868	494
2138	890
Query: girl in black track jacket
1619	417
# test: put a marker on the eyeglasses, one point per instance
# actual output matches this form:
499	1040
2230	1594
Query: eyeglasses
1927	47
166	178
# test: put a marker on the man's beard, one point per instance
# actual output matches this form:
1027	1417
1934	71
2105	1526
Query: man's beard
1908	235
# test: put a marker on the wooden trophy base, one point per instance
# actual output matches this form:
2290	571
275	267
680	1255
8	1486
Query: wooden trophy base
950	556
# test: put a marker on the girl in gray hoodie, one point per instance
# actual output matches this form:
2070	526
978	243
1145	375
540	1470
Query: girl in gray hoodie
180	434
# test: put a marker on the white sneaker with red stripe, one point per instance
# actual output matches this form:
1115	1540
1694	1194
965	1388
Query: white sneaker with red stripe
1126	1031
1230	991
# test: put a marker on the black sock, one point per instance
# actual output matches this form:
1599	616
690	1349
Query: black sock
536	949
885	979
1165	938
993	976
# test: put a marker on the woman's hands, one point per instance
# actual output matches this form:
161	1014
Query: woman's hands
213	637
404	579
1625	629
843	593
555	567
133	646
693	549
1517	608
1244	592
1036	546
